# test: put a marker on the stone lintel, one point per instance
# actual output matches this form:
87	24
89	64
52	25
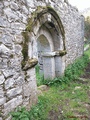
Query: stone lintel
61	52
48	54
55	53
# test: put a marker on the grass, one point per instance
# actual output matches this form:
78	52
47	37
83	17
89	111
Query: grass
67	99
64	102
87	52
39	78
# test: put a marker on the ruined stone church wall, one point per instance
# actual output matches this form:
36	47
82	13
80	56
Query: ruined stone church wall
73	24
18	87
74	35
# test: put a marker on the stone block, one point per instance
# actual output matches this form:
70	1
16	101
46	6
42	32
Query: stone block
1	92
4	22
43	87
7	40
1	118
12	104
2	100
16	64
9	83
25	10
31	75
18	26
6	3
30	3
20	80
12	16
26	101
13	92
14	6
30	92
8	73
4	50
18	49
2	79
29	88
18	38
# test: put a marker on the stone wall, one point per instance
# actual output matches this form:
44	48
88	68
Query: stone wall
18	86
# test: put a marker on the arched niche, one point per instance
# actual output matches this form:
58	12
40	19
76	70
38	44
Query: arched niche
46	35
45	47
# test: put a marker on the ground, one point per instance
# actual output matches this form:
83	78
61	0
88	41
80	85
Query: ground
76	104
62	100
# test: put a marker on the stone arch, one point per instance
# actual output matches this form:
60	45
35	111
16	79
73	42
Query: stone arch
42	16
46	22
43	31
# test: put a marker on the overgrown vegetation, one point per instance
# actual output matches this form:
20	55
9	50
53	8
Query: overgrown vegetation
88	52
65	100
87	29
72	72
39	78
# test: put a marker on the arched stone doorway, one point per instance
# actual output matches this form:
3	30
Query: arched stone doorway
45	47
47	42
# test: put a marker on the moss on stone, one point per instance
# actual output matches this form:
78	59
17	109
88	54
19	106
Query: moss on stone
32	21
62	52
25	47
30	63
38	13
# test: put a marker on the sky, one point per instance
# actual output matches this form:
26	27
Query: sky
80	4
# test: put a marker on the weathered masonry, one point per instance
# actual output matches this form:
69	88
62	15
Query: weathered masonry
44	32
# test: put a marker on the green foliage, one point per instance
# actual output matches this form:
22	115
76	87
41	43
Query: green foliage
39	78
20	114
72	72
87	28
87	52
61	97
36	113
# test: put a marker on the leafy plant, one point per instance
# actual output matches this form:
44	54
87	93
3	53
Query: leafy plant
20	114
